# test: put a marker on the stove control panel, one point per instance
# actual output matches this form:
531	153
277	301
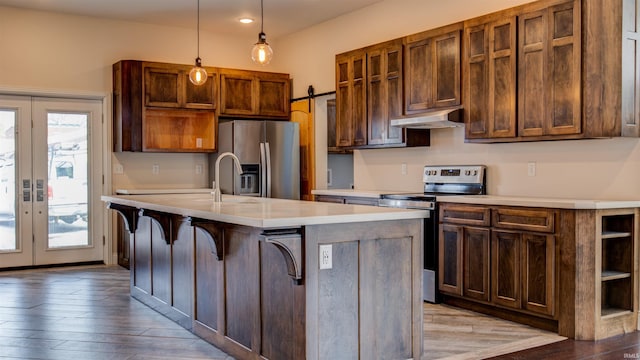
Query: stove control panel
465	174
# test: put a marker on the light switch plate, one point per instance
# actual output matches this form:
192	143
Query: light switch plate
531	168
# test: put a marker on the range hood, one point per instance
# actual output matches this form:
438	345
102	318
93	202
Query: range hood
435	119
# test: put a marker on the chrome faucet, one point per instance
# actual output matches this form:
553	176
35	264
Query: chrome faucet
217	195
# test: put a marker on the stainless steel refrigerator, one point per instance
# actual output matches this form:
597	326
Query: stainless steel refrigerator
269	152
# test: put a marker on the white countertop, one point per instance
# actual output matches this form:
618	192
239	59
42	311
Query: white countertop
162	191
263	212
555	203
352	192
529	201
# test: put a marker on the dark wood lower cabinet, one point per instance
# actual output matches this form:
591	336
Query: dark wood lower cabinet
539	283
450	251
505	268
503	264
475	244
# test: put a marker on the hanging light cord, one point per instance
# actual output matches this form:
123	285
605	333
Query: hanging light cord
198	30
261	16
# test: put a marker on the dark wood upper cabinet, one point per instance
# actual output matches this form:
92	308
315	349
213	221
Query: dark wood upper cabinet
611	68
274	95
384	88
163	87
630	64
157	109
201	96
549	71
369	94
489	65
532	54
331	130
575	62
168	86
254	94
351	99
432	63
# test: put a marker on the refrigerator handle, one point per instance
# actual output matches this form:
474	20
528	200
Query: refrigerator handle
268	156
263	171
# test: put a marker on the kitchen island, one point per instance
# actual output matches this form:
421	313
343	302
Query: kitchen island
280	279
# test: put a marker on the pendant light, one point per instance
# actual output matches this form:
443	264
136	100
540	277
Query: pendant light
261	52
198	75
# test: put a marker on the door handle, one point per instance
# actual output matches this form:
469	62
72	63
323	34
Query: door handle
39	190
263	171
26	190
268	156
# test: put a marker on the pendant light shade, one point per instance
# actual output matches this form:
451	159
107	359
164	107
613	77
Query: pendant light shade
261	52
198	75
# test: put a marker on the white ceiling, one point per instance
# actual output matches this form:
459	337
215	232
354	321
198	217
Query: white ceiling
281	17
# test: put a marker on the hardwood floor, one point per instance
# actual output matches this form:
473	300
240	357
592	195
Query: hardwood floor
456	334
86	313
616	348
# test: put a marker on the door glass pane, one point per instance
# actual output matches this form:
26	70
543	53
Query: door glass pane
7	181
67	190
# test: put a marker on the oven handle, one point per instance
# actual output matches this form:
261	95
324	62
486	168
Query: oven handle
419	205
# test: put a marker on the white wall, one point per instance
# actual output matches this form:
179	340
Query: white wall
594	169
49	53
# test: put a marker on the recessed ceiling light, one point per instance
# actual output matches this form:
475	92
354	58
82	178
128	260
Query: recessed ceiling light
246	20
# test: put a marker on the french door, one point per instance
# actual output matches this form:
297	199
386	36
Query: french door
50	181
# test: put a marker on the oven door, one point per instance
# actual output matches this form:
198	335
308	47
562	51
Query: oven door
430	272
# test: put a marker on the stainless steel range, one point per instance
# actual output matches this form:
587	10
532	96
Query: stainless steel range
438	181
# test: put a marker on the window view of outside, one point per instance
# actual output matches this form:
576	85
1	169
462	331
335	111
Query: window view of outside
68	189
7	181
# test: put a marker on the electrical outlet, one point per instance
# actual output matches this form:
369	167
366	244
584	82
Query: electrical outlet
155	169
118	169
326	261
198	169
404	168
531	168
329	177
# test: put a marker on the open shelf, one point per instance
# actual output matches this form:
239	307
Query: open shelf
615	234
179	130
617	244
612	312
608	275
